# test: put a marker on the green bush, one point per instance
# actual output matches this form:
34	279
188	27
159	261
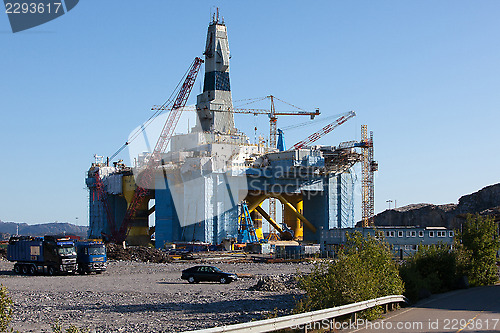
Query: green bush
364	270
432	269
477	250
58	328
6	305
437	268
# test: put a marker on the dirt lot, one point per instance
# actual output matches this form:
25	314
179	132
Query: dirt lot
143	297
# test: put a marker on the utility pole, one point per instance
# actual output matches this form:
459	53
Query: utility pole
389	201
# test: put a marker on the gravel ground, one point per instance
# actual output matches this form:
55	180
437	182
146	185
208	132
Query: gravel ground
144	297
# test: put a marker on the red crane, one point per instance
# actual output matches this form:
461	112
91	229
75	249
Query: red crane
325	130
145	179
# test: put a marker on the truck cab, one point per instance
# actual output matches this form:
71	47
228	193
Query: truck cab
91	257
61	253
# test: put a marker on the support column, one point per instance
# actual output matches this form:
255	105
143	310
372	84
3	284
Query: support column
290	216
257	222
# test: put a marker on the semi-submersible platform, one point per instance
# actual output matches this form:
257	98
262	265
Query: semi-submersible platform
213	185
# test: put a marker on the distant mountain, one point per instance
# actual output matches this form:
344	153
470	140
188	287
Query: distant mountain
484	202
42	229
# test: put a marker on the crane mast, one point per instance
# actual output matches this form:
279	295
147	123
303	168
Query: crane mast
368	167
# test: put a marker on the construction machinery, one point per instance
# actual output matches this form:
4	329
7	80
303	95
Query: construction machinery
145	176
246	230
324	131
368	167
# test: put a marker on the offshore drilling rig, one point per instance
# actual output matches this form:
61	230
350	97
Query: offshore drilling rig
213	177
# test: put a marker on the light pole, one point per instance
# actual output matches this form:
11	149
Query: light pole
389	201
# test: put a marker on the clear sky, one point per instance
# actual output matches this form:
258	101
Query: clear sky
423	75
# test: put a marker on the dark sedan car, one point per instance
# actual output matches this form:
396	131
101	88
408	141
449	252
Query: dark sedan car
207	273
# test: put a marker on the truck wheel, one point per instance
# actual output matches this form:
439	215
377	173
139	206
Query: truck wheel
17	270
32	269
24	269
51	270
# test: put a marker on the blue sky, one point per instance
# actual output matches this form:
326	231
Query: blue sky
424	76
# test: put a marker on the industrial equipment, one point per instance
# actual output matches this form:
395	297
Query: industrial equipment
145	178
368	167
246	230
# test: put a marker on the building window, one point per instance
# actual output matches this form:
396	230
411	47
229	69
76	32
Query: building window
431	233
441	233
421	233
400	234
451	234
389	233
413	234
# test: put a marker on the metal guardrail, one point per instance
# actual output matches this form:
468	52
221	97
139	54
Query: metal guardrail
301	319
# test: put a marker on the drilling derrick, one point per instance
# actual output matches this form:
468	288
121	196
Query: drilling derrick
368	167
216	94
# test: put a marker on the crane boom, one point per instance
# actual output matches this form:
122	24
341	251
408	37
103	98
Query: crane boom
145	179
255	112
176	111
325	130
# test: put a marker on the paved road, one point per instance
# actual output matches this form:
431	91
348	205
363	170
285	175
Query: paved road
470	310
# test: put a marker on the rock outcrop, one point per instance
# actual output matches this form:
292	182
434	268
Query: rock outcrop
485	202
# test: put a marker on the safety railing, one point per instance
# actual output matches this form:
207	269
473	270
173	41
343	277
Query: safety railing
303	319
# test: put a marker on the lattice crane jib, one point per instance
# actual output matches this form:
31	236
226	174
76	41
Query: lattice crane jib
145	180
176	111
324	131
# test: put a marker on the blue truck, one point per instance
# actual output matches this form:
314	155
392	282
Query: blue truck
91	257
46	255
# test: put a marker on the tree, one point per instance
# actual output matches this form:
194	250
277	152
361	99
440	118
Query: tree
479	245
364	270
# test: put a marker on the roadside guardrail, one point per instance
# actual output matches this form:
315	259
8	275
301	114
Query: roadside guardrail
303	319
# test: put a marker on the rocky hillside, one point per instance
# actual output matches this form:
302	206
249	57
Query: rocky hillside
10	228
485	202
